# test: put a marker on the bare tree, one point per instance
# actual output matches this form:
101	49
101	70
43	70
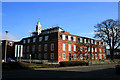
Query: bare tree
109	32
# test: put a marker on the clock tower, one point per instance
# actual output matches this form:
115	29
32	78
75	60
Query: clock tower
38	27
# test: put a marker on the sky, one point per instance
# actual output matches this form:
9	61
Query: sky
79	18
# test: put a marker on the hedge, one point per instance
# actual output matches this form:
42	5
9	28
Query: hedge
72	63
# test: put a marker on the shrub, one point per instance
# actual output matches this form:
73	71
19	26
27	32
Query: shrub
73	63
117	68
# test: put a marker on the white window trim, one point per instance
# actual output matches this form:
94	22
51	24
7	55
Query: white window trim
74	47
63	37
63	46
74	38
69	47
69	38
81	40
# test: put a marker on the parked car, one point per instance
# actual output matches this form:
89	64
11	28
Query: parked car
10	60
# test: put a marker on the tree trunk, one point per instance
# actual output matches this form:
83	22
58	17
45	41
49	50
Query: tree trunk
112	54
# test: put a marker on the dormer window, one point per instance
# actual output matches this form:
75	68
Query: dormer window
69	38
84	40
46	38
74	38
88	41
99	43
28	40
81	40
24	41
63	37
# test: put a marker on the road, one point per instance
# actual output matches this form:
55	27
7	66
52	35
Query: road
96	72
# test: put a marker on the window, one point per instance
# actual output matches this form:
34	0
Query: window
95	49
85	49
104	56
69	49
69	38
28	40
92	49
88	41
95	56
99	50
81	40
34	39
63	37
24	41
40	38
81	48
27	48
39	56
74	38
84	40
81	56
74	55
92	56
45	56
89	56
33	48
46	38
39	48
64	56
63	47
45	47
52	47
103	44
100	56
74	47
91	41
89	49
52	56
99	43
85	56
104	50
27	56
95	42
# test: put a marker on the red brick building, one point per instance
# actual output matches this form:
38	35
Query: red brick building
55	44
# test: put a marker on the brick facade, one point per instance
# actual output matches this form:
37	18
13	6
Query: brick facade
56	38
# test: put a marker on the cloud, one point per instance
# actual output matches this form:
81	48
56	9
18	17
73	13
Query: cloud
9	37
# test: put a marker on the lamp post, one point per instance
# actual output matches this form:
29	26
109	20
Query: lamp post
30	58
6	45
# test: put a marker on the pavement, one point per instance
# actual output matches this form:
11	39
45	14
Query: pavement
94	72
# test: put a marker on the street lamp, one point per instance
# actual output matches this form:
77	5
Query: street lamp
6	45
30	58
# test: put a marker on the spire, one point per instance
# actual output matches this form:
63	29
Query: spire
38	23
